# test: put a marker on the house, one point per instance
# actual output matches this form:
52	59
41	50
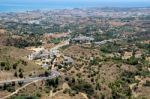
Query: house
82	39
68	60
45	65
39	54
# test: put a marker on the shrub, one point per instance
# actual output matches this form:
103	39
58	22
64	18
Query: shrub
2	64
147	83
83	87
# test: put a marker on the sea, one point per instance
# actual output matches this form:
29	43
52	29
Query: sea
29	6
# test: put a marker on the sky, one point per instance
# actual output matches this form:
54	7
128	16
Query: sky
69	1
16	5
43	1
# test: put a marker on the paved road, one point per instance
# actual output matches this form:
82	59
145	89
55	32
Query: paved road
60	45
105	41
54	74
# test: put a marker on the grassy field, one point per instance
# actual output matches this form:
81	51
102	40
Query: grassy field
15	59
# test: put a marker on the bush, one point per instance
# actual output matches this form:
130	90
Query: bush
46	73
16	74
2	64
132	61
55	41
21	75
83	87
24	97
120	90
38	95
9	87
15	66
110	47
147	83
20	83
52	83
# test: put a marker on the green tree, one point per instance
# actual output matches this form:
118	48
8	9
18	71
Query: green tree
21	75
16	74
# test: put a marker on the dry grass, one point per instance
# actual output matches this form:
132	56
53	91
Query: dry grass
77	51
67	96
14	55
5	75
115	23
3	93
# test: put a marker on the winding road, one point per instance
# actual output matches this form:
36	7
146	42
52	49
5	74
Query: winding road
29	81
54	74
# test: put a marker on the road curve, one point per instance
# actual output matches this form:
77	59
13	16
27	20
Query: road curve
54	74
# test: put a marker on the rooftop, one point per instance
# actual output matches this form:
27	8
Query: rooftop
83	38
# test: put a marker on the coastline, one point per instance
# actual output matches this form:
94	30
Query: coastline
24	7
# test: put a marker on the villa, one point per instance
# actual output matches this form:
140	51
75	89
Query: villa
82	39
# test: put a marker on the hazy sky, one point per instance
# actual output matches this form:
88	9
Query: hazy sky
69	1
13	5
22	1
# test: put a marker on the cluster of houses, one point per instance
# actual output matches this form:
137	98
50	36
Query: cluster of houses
89	40
43	54
46	58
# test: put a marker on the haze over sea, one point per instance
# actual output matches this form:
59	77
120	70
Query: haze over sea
28	5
